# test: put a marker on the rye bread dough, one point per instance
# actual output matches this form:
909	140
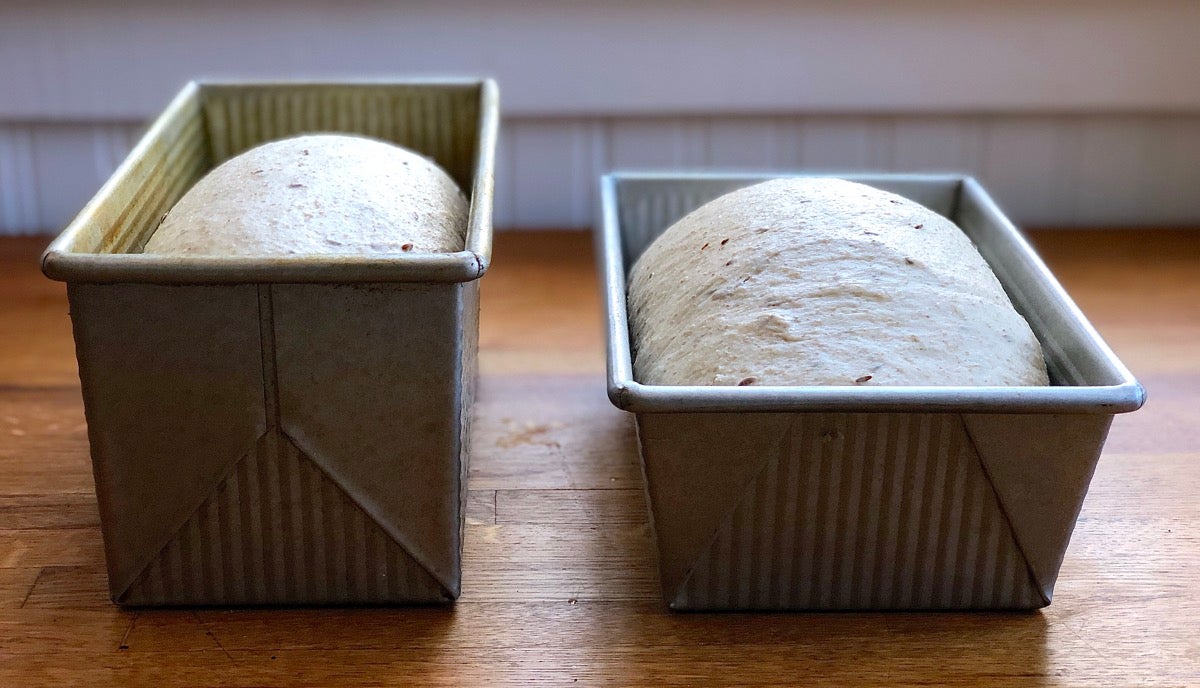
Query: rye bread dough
823	282
318	194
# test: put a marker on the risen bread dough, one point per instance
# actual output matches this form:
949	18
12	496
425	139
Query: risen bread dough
823	282
317	194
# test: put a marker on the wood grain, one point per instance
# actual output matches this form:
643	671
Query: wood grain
560	582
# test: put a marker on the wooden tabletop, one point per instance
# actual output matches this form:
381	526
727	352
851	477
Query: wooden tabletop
559	580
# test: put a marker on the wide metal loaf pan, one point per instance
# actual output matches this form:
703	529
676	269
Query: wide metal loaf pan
767	498
286	430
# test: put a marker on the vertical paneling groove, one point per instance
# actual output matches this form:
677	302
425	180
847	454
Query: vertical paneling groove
504	196
19	185
1062	169
1036	165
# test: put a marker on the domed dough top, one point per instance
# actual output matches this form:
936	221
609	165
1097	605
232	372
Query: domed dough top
823	282
317	194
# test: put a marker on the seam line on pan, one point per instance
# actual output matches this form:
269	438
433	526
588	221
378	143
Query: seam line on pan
276	436
333	481
272	529
158	550
266	326
266	334
1033	579
325	476
786	442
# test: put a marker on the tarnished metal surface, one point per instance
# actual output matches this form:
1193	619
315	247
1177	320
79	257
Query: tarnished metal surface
865	497
287	431
453	122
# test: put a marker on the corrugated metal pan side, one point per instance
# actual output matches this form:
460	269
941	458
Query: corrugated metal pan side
842	511
439	123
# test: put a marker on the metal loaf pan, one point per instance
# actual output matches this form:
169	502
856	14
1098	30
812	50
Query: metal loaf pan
767	498
291	430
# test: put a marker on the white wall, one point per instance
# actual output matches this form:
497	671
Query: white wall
1046	170
1082	112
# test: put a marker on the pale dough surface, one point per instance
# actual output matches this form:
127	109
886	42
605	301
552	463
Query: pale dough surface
823	282
318	194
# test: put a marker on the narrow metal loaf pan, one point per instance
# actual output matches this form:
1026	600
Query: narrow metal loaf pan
772	498
291	430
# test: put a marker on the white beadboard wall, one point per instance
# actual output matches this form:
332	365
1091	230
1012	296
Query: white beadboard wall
1073	113
1059	170
1052	170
